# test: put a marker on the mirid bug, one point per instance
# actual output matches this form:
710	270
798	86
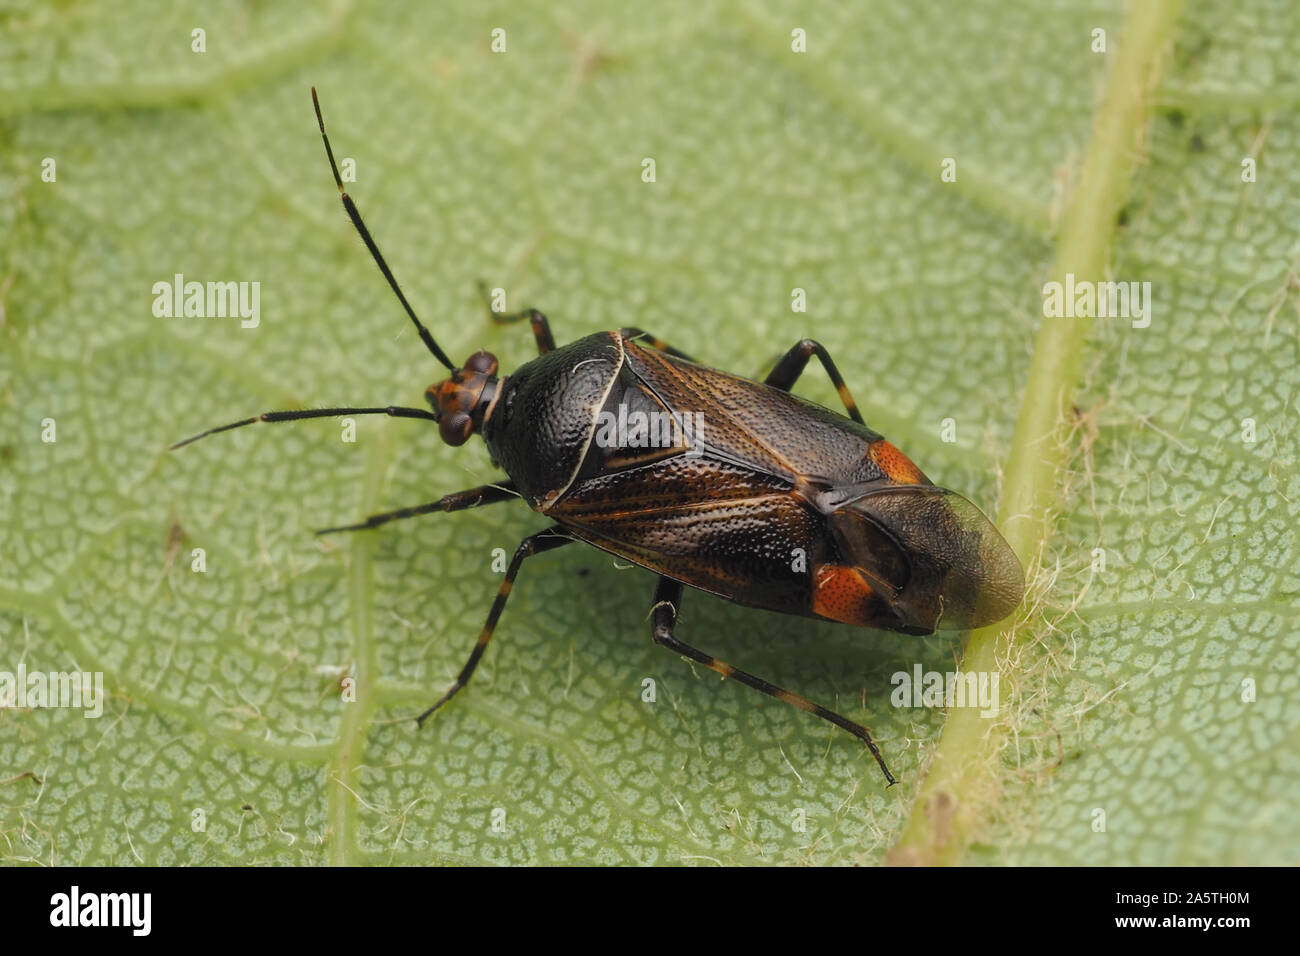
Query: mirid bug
728	485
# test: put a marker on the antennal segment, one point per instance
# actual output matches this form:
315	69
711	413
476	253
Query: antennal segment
355	216
298	415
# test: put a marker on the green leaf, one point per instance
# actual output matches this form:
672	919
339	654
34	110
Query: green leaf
1122	689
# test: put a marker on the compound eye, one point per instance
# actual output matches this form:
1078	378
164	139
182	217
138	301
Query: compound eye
485	363
455	428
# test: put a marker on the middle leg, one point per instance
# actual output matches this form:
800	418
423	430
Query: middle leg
539	543
792	364
658	344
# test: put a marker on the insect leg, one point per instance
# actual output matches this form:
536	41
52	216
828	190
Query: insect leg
663	619
792	364
539	543
541	327
659	345
456	501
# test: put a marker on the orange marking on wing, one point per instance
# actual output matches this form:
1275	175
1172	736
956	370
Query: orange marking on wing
895	464
841	594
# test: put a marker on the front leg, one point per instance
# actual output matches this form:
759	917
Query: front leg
541	327
456	501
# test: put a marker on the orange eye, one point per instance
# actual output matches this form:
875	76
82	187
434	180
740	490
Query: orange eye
484	363
455	428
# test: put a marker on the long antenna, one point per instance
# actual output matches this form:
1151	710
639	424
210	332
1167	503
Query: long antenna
355	216
298	415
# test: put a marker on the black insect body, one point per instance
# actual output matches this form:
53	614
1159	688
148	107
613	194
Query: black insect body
716	482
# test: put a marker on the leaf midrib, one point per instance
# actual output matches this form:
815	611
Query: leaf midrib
953	798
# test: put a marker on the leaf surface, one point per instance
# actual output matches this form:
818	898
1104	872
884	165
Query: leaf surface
775	171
